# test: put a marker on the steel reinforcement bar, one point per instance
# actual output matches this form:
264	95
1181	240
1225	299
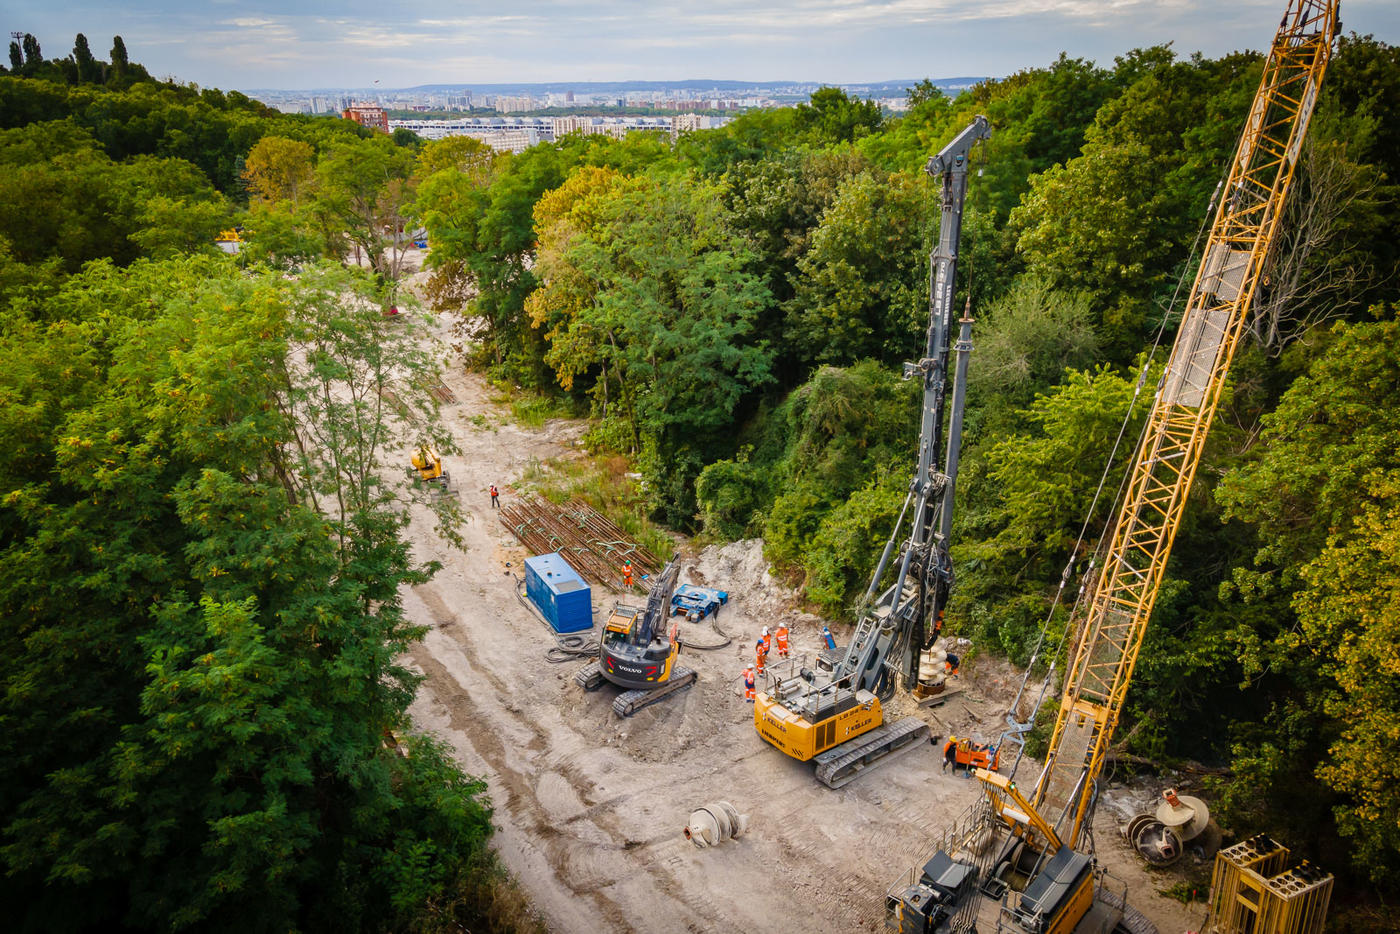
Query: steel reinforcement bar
591	543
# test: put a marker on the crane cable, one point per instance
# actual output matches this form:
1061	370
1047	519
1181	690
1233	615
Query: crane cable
1018	727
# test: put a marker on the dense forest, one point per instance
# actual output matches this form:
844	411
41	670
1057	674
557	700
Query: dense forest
199	605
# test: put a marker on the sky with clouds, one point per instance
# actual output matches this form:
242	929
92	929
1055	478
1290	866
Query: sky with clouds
354	43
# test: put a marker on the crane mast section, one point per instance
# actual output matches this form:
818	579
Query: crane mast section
1106	650
897	618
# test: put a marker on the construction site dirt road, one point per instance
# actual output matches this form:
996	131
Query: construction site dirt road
590	808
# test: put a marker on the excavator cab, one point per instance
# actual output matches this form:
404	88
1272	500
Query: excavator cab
635	652
631	656
427	465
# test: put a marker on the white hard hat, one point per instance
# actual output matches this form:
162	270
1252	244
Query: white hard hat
765	630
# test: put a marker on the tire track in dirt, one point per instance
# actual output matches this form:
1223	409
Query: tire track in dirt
467	717
586	857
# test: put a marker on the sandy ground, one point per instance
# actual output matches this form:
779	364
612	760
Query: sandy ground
590	808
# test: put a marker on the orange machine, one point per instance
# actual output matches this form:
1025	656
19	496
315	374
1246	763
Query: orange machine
971	755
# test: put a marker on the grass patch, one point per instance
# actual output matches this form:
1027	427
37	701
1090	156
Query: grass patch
530	409
532	412
1192	890
485	897
606	483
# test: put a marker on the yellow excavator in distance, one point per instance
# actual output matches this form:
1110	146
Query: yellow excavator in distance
427	466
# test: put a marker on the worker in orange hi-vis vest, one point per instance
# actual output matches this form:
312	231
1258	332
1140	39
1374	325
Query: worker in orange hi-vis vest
767	641
761	652
782	635
627	573
748	684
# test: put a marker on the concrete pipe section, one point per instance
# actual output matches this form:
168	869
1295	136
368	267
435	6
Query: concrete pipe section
712	824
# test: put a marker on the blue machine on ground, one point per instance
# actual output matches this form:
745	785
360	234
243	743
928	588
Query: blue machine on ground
561	595
697	602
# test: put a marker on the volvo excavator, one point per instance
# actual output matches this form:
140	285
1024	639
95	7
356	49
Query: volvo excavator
1022	860
834	716
637	654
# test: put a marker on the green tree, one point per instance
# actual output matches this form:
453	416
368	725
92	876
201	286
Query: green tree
648	280
1046	478
280	169
1115	222
778	203
830	116
202	745
483	238
89	69
1350	622
458	153
1316	494
752	135
846	547
922	93
846	426
281	236
862	290
363	190
1027	339
79	206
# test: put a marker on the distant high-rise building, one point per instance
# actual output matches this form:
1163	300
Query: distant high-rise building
566	125
509	105
370	115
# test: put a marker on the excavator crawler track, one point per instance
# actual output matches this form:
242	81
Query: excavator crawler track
629	702
589	677
842	764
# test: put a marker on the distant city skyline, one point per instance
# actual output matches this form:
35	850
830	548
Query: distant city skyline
238	44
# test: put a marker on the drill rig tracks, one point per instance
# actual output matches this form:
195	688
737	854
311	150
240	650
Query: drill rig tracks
590	678
843	764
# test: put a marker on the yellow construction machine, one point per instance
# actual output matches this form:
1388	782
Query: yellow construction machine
427	467
833	715
1029	851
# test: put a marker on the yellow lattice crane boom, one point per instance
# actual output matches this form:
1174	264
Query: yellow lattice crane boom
1251	202
1048	882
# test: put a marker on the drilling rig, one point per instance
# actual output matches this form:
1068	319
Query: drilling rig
1027	854
835	716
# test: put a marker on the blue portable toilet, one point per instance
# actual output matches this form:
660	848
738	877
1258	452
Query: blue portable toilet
561	595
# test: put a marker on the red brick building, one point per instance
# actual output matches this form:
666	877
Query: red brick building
370	115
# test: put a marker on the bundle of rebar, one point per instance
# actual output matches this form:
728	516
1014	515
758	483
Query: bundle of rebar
591	543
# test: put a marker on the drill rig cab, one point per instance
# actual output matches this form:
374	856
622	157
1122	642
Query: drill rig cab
636	652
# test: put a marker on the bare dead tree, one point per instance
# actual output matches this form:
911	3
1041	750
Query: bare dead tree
1316	271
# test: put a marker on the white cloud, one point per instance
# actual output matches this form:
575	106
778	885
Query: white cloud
319	43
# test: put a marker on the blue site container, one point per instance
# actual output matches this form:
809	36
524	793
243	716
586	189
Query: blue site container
560	594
